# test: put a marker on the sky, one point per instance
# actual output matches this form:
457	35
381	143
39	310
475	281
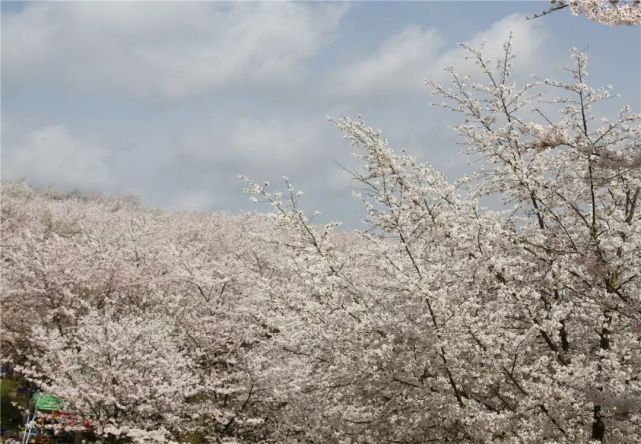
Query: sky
171	101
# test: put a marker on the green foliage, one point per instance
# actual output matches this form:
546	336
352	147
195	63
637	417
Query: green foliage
10	415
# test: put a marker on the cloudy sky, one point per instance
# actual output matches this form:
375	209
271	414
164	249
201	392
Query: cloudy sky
171	101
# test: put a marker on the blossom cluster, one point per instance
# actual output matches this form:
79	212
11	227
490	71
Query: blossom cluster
606	12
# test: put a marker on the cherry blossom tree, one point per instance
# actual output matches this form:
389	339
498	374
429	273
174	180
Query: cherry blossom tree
446	321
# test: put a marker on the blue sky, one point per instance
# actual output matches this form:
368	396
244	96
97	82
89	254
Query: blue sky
171	101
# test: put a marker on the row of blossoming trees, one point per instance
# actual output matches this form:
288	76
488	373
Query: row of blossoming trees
442	321
142	321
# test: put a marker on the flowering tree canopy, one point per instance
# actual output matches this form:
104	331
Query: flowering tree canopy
442	321
450	321
143	322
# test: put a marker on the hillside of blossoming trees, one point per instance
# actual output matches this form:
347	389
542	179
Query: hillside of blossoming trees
144	321
442	321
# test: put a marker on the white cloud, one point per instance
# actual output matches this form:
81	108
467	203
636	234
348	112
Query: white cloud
403	61
339	181
193	200
267	145
50	156
396	65
529	39
164	50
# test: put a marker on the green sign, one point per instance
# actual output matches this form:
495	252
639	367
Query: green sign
47	403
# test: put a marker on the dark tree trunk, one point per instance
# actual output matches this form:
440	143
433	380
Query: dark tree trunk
598	428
